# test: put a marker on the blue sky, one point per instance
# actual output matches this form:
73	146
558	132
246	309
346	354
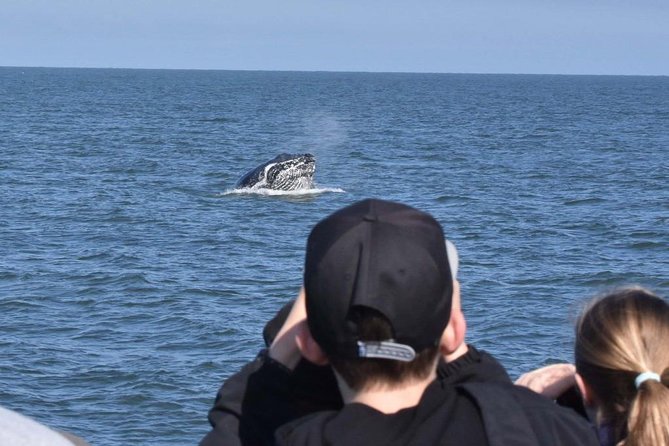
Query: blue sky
449	36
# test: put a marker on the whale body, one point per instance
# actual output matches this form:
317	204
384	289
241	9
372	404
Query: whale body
283	172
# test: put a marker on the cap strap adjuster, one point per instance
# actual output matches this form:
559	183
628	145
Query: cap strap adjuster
386	350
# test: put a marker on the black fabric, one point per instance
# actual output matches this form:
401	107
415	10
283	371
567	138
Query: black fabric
444	415
266	403
381	255
517	416
252	403
474	366
471	414
572	398
272	327
513	428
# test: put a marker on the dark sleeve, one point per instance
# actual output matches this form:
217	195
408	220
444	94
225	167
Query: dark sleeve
555	425
568	429
225	416
572	399
515	415
274	325
264	395
474	366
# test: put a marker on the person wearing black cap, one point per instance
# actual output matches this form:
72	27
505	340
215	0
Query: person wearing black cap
465	364
377	306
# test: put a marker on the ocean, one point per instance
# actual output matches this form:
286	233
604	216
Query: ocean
134	279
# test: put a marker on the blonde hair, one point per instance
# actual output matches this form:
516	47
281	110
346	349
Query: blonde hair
619	336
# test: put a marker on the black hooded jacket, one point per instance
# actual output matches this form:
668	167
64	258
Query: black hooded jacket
472	402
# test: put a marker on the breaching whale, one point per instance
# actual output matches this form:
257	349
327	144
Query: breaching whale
284	172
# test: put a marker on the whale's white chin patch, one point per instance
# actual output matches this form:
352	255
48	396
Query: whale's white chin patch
295	183
294	176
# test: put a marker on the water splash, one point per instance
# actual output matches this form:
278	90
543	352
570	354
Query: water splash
273	192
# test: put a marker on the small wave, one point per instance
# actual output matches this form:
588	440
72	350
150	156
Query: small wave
8	275
452	198
220	119
583	201
648	245
272	192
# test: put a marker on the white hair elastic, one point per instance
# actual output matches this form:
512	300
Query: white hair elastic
645	376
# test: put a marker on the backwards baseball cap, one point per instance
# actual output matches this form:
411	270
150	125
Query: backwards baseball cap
382	255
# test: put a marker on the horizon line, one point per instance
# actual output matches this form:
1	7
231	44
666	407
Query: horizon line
264	70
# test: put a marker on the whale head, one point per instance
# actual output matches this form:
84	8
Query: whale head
283	172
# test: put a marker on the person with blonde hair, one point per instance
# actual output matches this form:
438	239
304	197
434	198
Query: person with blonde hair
621	367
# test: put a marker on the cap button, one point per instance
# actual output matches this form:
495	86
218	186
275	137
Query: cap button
370	217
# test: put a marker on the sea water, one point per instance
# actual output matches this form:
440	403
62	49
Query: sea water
134	279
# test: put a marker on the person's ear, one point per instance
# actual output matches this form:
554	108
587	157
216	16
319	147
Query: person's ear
310	350
586	391
453	339
456	303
